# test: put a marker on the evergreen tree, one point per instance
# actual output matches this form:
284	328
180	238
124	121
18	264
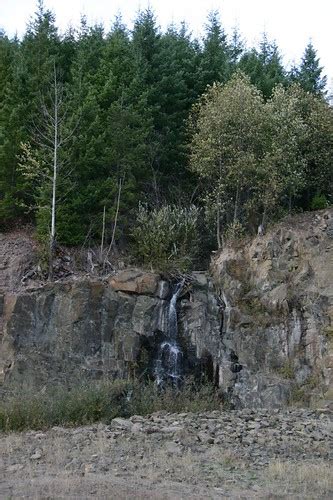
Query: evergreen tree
10	127
177	62
128	127
111	143
31	71
85	154
167	73
264	66
309	73
236	48
215	60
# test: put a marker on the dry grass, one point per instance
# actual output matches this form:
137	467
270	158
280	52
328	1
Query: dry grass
145	466
313	480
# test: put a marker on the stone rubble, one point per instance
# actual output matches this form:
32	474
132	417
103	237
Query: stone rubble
205	455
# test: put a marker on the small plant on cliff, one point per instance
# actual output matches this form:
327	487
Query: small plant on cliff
166	238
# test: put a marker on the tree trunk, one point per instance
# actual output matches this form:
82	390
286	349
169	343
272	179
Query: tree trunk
54	181
263	220
115	221
236	204
102	240
218	227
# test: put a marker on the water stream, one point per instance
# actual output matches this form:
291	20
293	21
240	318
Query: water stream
168	366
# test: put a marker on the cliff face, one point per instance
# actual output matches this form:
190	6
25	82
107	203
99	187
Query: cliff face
260	327
277	295
66	333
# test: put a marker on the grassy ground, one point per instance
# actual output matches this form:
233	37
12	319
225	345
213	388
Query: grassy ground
94	463
100	402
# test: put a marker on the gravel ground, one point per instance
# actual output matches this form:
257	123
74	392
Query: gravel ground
236	454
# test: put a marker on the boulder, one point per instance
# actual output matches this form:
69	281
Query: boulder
135	281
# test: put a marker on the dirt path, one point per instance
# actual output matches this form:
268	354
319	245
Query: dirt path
241	454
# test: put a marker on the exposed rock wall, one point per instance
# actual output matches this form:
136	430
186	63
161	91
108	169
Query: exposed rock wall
65	333
260	328
277	294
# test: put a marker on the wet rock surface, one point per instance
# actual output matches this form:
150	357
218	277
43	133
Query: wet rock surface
260	328
238	454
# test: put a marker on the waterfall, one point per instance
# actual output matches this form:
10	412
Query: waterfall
168	366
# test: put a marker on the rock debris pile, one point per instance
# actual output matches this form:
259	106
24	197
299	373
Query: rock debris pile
204	455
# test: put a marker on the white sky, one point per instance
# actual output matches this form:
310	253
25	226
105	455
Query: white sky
290	22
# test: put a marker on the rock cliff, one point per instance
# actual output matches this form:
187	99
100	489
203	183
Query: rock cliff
259	328
68	332
277	294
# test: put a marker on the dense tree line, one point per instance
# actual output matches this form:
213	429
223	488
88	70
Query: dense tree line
131	126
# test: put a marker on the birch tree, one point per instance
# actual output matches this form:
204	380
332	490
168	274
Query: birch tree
42	160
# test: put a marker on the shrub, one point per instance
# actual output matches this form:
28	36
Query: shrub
166	238
101	402
318	202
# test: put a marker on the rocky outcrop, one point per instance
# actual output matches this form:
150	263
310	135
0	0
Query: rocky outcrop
260	328
65	333
135	281
277	295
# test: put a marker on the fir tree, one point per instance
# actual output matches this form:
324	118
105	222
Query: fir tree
215	61
264	66
309	73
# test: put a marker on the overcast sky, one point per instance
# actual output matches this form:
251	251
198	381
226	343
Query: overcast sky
292	23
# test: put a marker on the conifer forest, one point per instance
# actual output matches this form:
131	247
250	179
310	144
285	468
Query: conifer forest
157	141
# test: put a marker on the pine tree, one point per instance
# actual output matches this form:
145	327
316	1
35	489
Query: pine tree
111	144
264	66
309	73
178	64
168	70
85	153
215	61
10	128
236	48
128	127
32	68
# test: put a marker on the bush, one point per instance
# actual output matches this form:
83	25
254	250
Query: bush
319	202
166	238
101	402
234	231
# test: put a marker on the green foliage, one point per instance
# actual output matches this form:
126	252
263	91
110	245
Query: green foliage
287	370
100	401
258	158
318	202
264	66
309	72
166	238
234	231
128	97
215	61
228	143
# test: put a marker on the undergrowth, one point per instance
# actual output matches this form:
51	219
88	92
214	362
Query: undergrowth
100	402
